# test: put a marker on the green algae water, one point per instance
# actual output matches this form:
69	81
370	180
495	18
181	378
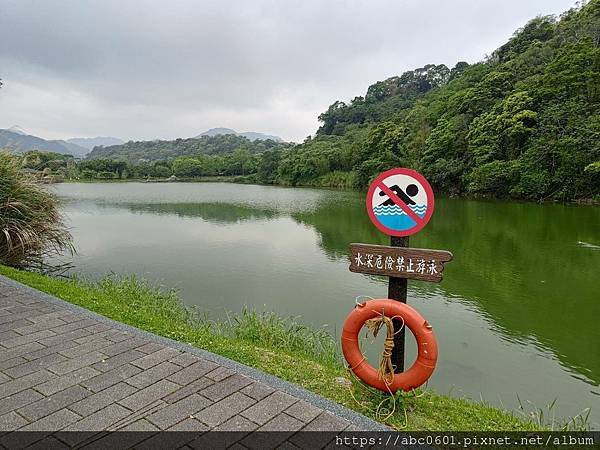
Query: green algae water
516	315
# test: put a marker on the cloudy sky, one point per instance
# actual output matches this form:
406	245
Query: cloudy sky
166	69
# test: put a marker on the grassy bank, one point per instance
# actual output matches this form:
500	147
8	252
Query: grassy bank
281	347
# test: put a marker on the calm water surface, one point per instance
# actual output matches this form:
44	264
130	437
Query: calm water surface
517	312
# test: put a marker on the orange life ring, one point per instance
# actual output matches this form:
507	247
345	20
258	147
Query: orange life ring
418	373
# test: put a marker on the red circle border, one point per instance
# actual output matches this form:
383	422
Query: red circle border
430	201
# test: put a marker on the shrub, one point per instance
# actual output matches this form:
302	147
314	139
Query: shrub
31	225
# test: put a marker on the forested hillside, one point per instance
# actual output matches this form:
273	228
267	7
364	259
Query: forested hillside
159	150
524	123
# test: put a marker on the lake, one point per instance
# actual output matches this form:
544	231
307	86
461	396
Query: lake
516	314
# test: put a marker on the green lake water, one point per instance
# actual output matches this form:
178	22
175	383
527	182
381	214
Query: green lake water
516	314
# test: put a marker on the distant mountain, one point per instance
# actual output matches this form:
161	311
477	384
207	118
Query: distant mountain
16	140
90	143
217	131
250	135
17	129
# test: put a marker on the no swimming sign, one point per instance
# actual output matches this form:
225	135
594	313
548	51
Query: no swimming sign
400	202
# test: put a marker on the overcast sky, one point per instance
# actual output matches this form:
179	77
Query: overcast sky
167	69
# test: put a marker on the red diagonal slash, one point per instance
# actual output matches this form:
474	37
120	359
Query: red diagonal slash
399	202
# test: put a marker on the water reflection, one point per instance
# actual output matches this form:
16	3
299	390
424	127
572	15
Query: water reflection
517	304
522	264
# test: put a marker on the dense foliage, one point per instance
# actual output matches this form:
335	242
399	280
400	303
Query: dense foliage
158	150
31	225
524	124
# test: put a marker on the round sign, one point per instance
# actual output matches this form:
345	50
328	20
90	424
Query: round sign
400	202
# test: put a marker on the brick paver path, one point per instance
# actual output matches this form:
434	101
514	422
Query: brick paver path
63	369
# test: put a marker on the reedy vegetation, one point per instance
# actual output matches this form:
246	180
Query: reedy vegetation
31	225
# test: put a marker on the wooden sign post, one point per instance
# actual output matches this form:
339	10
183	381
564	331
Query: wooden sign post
400	203
398	290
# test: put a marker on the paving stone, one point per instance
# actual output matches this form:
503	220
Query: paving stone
118	360
55	421
7	335
273	433
45	351
21	340
148	395
15	317
303	411
35	365
91	336
48	405
237	423
269	407
113	334
50	315
76	363
188	429
16	323
12	387
12	362
155	358
176	412
327	422
120	347
83	349
49	443
192	372
65	381
118	441
185	359
11	421
104	380
282	422
221	411
40	326
4	378
102	399
120	335
257	390
18	351
226	387
190	424
229	434
98	328
139	425
192	388
220	373
18	400
150	347
100	420
74	326
152	375
66	337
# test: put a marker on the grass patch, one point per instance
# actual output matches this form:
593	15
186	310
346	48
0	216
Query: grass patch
282	347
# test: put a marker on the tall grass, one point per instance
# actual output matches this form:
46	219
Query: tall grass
136	299
31	225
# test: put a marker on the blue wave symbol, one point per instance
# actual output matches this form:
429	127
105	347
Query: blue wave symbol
394	217
395	210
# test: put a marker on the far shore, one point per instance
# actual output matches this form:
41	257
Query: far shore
241	179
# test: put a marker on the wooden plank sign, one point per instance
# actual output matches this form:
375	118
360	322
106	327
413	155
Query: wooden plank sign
399	262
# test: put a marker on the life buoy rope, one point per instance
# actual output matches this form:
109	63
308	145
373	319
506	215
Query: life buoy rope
427	354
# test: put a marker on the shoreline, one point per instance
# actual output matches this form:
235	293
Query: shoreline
235	180
270	344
